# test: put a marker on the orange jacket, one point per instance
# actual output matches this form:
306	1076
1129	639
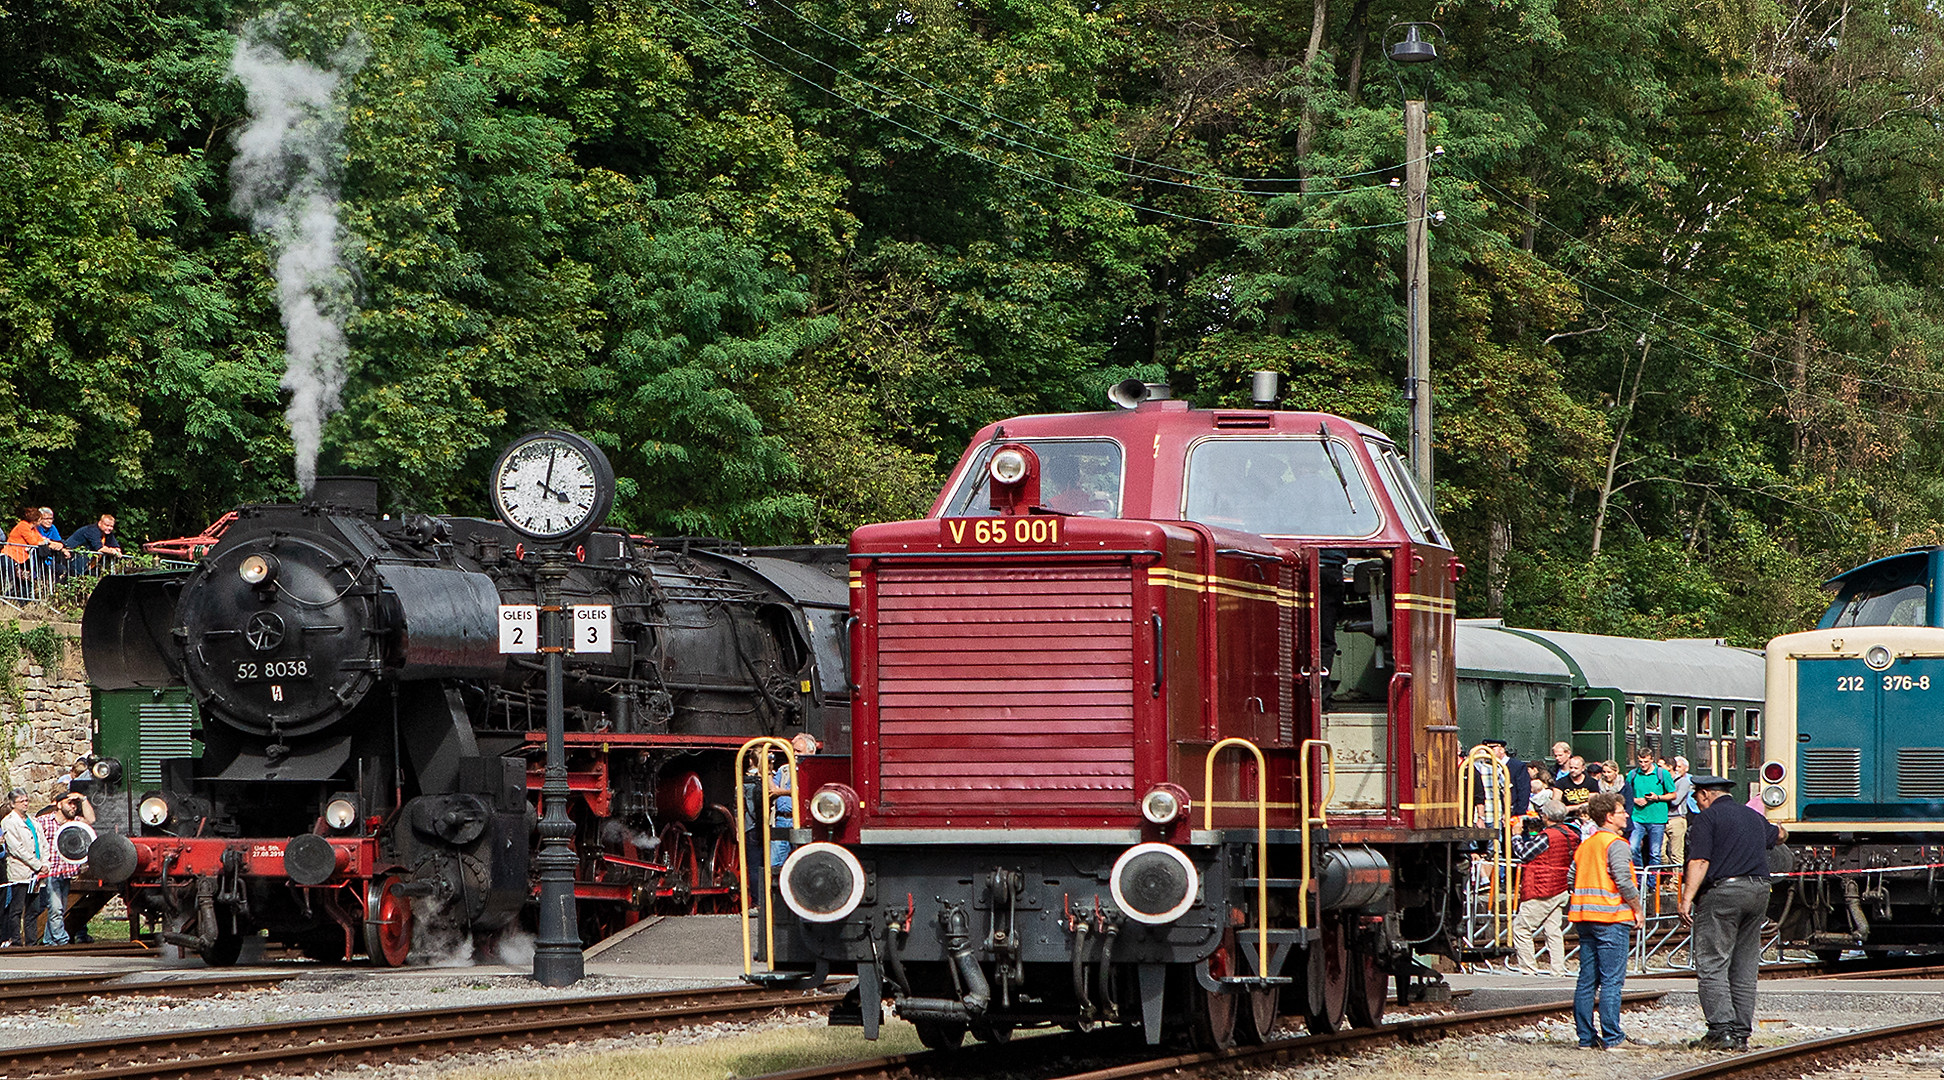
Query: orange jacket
1596	896
22	541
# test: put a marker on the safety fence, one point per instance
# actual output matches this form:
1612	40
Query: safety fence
44	578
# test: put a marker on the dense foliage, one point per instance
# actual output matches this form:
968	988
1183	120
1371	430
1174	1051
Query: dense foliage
782	258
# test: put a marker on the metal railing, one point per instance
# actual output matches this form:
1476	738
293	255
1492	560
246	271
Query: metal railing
769	792
44	578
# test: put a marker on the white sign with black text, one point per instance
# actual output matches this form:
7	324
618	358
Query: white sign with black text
519	628
593	628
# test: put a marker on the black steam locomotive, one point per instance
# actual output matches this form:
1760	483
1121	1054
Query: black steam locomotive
365	766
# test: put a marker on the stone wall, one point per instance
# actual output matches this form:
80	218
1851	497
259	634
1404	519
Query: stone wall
57	728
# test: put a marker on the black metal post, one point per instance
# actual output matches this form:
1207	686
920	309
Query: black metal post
557	959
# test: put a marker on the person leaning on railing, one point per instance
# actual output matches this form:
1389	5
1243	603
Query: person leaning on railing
97	540
30	547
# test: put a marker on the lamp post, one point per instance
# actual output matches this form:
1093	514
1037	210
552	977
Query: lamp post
1413	50
557	957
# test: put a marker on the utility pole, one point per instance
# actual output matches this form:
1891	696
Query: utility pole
1412	51
1417	243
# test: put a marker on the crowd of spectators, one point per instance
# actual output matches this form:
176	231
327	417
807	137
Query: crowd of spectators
40	555
36	891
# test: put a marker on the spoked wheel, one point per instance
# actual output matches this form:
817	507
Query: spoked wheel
1329	981
388	923
1369	991
1211	1016
723	875
939	1034
677	852
1258	1014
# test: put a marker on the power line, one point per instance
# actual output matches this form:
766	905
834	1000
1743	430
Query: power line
1650	279
927	137
982	110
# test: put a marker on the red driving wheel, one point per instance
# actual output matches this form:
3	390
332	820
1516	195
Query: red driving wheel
388	922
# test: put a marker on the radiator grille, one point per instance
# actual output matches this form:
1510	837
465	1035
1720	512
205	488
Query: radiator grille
165	732
1018	681
1920	772
1832	772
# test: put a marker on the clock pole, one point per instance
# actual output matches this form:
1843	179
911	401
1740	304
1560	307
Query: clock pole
557	958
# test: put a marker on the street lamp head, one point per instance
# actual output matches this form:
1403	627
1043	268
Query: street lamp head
1413	49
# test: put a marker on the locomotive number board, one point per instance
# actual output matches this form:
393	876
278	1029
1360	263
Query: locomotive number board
279	670
999	532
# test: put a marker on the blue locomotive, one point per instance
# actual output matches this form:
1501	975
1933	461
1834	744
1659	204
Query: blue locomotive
1855	763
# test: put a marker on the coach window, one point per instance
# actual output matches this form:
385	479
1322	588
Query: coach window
1703	720
1754	722
1653	718
1679	719
1279	487
1633	718
1077	476
1727	721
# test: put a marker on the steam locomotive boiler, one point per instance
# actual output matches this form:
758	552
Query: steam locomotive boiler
365	770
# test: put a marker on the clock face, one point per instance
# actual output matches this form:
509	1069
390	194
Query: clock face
552	485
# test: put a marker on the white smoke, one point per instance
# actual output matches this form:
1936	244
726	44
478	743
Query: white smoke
284	185
513	947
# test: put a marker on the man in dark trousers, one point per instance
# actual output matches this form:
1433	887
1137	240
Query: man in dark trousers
1725	897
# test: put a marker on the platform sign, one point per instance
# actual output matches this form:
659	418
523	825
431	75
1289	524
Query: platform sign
593	628
519	628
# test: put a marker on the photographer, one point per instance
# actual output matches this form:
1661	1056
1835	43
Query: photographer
69	807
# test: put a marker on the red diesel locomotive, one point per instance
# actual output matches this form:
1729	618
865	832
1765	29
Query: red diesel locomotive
1153	722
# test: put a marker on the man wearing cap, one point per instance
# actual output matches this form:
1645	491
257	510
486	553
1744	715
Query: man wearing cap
1725	897
1547	855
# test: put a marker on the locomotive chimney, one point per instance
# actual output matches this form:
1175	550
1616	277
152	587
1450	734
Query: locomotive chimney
358	494
1263	388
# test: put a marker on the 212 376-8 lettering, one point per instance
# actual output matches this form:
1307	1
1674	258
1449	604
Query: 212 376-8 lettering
994	532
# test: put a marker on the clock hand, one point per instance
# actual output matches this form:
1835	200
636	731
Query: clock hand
546	485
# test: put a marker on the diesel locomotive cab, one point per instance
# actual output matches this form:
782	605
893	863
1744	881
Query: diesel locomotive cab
1854	768
1121	643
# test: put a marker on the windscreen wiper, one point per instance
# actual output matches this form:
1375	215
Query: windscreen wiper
1329	449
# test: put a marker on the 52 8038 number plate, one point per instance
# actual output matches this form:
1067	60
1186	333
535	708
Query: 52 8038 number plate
1000	531
280	670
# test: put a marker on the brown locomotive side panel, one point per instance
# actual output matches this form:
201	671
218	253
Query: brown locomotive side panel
1434	752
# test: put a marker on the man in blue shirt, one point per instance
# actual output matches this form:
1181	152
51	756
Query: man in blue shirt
1726	898
89	540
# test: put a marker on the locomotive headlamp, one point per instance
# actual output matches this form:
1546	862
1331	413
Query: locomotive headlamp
832	803
341	813
1773	796
106	769
1163	804
1878	657
1008	466
1773	772
821	882
154	811
1154	883
256	569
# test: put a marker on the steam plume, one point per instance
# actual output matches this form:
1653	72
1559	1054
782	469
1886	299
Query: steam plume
283	183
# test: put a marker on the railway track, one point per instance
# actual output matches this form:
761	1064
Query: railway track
39	992
93	948
348	1041
1815	970
1031	1056
1801	1059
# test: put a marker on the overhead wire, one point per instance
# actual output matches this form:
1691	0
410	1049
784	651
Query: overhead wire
1028	128
1671	290
1039	177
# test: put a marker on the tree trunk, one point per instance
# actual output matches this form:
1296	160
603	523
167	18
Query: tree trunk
1498	546
1359	38
1306	129
1619	439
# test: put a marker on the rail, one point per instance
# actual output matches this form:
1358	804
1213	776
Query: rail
41	579
1262	836
1320	816
766	798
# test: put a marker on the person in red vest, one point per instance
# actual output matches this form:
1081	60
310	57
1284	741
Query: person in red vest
1604	908
1546	850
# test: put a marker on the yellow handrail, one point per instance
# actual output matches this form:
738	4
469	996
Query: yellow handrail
1321	818
768	743
1501	806
1262	835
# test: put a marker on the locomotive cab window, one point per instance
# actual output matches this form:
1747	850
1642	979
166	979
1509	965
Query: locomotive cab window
1077	476
1279	487
1396	477
1896	595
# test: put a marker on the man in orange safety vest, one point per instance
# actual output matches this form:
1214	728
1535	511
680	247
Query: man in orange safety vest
1605	906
